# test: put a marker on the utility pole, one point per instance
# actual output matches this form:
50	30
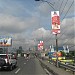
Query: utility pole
56	23
56	50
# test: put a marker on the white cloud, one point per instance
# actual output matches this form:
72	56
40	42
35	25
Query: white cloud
66	37
34	23
67	27
44	9
12	24
41	32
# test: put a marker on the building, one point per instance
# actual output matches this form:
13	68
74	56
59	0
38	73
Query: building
64	49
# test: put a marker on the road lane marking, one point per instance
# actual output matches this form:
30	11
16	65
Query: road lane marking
17	71
47	71
24	63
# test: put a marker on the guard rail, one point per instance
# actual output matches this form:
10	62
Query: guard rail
67	66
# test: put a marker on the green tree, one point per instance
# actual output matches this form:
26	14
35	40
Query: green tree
63	53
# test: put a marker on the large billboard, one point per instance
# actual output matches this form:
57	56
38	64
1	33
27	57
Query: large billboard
55	22
5	41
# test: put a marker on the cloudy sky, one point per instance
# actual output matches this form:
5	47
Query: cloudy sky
28	21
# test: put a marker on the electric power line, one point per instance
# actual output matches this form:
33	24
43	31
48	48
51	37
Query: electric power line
61	4
69	40
71	46
67	13
64	7
68	9
62	10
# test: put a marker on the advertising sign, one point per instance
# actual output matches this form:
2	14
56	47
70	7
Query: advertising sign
55	22
57	54
5	41
40	45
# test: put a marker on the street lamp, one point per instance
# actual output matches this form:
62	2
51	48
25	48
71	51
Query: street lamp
51	5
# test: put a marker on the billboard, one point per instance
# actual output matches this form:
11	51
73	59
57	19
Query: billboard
55	22
5	41
40	45
54	54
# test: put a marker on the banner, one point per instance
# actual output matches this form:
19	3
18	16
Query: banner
40	45
55	22
5	41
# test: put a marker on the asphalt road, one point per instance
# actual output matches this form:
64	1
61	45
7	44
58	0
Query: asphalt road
26	67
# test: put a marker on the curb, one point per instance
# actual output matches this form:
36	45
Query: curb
45	66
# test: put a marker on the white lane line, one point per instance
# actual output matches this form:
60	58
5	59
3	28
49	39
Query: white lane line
17	71
24	63
47	71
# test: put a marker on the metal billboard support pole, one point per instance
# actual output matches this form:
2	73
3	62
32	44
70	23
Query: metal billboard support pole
56	50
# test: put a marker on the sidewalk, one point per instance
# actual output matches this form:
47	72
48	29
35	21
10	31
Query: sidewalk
59	71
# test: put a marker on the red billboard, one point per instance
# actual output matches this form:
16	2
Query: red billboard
55	22
40	45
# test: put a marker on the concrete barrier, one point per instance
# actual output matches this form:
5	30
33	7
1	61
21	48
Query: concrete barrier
48	68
